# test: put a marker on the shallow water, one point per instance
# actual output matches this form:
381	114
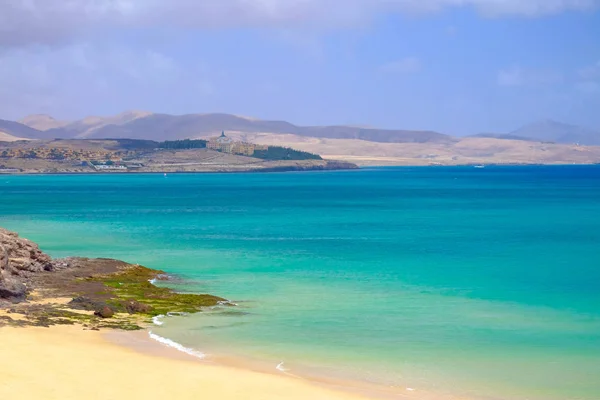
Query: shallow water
483	282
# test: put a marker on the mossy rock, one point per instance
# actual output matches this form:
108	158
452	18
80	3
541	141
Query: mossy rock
132	291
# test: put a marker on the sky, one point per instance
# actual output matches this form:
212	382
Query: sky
454	66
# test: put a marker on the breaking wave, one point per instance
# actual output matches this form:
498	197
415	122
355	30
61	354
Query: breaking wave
175	345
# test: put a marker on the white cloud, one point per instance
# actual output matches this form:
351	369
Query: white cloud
54	21
83	77
517	76
407	65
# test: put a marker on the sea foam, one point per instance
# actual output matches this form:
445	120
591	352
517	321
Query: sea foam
175	345
158	320
280	367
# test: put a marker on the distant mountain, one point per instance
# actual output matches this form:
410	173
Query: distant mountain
16	129
349	143
159	127
558	132
143	125
81	129
42	122
551	132
505	136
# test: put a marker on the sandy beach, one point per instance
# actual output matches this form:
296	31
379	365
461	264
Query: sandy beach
68	362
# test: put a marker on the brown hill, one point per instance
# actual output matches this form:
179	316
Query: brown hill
363	145
462	151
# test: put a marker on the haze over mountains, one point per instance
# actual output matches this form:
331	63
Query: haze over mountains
541	142
551	131
146	125
143	125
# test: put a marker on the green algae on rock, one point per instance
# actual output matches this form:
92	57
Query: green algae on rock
132	286
105	293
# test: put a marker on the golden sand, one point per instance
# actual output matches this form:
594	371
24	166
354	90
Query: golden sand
67	362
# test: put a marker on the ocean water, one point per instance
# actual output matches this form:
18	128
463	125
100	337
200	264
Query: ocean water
483	283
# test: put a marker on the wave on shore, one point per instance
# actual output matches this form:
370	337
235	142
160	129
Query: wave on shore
280	367
175	345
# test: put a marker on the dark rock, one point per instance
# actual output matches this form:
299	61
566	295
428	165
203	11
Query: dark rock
100	308
135	307
105	312
12	289
85	303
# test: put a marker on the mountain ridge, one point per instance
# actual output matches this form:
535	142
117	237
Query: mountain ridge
156	126
16	129
137	124
42	122
548	130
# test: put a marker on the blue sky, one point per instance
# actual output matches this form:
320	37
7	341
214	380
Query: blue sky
454	66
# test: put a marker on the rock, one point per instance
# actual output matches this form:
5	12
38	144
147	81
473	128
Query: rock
135	307
19	260
85	303
12	289
105	312
3	258
20	256
100	308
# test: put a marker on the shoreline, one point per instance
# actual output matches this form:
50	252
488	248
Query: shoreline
147	342
55	316
117	364
248	171
165	352
301	170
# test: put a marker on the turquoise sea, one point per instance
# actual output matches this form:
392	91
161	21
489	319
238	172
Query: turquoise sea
483	283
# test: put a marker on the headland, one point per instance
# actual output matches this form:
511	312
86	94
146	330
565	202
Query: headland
78	156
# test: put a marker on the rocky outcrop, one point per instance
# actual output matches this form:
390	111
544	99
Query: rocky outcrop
115	294
19	260
135	307
105	312
87	304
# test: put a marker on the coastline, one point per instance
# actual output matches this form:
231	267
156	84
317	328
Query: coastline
77	318
94	351
299	170
91	364
245	171
249	171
